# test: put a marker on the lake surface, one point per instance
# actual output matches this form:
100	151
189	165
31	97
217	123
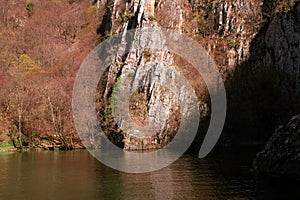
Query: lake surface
224	174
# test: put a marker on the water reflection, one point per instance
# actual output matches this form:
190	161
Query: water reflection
225	174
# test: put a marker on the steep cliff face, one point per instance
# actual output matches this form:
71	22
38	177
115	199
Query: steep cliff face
243	37
145	71
224	28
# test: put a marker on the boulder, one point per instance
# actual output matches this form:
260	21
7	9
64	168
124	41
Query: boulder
281	155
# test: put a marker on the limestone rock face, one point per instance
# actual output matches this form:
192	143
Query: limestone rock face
225	28
146	96
234	32
281	155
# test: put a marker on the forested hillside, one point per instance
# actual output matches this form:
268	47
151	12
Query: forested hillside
42	46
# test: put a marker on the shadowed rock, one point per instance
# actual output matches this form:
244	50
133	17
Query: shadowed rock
281	155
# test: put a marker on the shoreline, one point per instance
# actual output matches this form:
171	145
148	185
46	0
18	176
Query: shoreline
7	148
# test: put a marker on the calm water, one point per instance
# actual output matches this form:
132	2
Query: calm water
225	174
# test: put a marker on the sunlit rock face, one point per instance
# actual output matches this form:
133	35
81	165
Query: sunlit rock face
155	91
281	155
145	98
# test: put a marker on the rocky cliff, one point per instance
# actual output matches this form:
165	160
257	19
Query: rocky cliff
144	72
254	45
224	27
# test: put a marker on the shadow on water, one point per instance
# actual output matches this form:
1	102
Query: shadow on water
235	164
277	188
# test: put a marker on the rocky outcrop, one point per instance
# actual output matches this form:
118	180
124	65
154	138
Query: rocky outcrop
281	155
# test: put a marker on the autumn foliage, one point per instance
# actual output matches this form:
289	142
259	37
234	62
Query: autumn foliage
42	46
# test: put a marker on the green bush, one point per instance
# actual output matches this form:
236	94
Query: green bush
147	54
29	8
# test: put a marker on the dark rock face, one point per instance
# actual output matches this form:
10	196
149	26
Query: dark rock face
281	155
263	91
278	43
